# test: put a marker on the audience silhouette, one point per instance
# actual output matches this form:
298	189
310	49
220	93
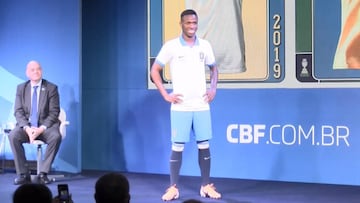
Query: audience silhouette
112	188
32	192
192	201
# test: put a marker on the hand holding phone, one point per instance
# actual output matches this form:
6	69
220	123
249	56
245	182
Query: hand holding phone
63	193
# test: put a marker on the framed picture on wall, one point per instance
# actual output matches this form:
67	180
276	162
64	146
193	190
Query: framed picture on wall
247	36
327	41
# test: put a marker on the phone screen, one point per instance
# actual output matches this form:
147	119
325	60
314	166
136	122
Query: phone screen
63	192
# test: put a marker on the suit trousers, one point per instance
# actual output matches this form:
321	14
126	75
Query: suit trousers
18	136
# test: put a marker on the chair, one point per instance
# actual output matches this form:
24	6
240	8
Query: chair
39	143
3	134
6	128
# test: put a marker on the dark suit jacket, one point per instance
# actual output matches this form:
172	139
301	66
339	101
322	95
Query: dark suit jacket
48	108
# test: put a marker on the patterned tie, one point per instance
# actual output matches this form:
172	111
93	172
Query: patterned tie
34	110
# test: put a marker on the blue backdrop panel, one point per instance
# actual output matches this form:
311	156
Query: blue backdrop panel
47	31
270	134
304	135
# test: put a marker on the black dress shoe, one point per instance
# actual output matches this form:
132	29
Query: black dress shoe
22	179
43	179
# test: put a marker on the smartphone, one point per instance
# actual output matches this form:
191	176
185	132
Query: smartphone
63	193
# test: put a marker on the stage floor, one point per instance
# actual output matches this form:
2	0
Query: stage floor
149	188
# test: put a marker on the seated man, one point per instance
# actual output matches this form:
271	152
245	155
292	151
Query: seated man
37	108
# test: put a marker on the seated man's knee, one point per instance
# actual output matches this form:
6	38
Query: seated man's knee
58	137
54	136
15	134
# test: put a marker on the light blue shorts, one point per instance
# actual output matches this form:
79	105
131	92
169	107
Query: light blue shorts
185	122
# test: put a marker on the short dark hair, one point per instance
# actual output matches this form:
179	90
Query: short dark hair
32	192
112	188
187	12
192	201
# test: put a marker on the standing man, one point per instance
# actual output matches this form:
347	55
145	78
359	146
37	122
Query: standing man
188	55
37	108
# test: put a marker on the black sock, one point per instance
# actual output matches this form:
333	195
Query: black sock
175	165
204	163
